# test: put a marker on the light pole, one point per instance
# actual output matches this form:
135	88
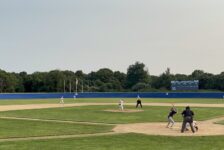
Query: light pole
76	86
70	86
82	86
64	85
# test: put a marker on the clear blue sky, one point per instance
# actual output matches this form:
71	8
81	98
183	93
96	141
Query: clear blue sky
42	35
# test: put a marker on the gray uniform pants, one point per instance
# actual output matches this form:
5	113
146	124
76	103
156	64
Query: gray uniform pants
185	121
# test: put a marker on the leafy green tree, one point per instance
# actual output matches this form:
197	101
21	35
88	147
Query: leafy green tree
38	82
140	87
19	84
105	75
206	80
70	80
8	82
137	73
181	77
121	79
105	80
164	80
55	81
197	74
220	81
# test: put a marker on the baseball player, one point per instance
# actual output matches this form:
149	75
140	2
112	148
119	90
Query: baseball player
139	102
121	104
188	118
172	112
195	125
62	100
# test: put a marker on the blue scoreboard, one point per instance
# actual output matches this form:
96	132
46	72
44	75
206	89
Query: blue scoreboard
185	85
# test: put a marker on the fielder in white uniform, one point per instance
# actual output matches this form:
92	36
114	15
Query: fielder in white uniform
62	100
121	104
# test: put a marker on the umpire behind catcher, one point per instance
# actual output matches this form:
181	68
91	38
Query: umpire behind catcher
188	118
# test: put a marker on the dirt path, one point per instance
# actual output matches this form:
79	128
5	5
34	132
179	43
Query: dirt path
56	137
42	106
58	121
206	128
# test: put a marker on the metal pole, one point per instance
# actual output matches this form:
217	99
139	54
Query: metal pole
70	87
1	85
64	86
82	86
76	87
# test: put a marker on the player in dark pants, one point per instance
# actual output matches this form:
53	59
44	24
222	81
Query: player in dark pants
188	118
139	102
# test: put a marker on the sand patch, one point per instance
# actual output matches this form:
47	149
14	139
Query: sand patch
206	128
124	111
43	106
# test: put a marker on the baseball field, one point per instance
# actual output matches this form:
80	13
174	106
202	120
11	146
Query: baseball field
98	124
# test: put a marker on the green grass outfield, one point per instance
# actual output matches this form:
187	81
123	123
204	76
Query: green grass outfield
120	142
98	114
220	122
10	128
109	100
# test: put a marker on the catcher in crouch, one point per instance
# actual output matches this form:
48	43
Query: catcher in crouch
195	125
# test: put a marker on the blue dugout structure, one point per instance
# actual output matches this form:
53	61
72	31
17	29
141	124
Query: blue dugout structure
111	95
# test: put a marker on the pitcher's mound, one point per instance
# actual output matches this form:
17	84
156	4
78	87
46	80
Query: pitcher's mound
124	111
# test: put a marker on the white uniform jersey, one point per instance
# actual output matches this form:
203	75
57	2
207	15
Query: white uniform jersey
121	102
62	100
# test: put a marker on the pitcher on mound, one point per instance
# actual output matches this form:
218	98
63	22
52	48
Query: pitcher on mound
121	104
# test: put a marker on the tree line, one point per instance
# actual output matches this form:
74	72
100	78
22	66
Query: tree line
136	79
